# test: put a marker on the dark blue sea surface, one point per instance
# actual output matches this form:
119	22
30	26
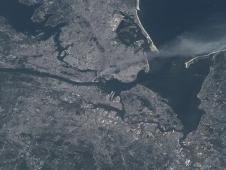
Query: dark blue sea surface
166	19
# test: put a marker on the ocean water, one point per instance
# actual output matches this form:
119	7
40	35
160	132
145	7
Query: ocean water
166	19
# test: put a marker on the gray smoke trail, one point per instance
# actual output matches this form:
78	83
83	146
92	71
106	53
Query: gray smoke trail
204	39
186	47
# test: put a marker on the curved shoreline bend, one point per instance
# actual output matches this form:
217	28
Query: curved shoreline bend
152	46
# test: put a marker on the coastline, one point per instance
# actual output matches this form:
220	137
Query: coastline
152	46
197	58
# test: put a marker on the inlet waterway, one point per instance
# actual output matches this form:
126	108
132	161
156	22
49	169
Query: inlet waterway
164	21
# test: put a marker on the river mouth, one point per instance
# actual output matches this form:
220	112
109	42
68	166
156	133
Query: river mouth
181	30
168	76
180	86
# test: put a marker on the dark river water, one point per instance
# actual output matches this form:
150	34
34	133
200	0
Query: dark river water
163	20
18	15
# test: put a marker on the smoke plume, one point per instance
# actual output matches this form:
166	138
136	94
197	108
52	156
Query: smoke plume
205	38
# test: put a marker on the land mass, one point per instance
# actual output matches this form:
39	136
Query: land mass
72	94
